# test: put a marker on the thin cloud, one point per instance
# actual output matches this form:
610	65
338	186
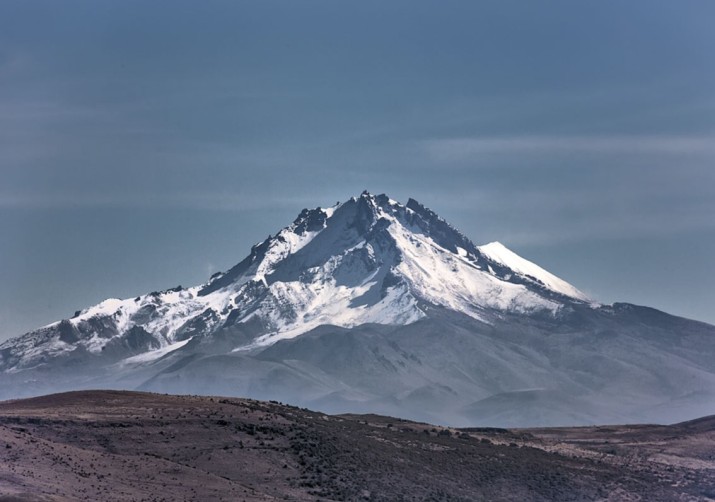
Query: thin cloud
577	214
456	149
199	200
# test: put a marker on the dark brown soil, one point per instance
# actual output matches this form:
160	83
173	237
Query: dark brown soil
107	445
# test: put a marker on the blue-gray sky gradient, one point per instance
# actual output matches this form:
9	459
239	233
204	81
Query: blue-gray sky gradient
146	144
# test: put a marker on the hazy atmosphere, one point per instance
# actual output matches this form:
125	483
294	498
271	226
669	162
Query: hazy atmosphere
149	144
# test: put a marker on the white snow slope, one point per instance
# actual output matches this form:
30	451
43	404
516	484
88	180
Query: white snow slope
497	252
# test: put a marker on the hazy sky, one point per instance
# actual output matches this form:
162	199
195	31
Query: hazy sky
149	144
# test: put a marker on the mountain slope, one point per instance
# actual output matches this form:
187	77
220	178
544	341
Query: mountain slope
372	305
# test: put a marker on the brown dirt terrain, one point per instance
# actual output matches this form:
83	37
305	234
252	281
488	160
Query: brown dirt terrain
111	445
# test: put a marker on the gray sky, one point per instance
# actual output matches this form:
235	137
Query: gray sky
149	144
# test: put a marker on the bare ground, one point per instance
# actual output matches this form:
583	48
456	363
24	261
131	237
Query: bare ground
111	445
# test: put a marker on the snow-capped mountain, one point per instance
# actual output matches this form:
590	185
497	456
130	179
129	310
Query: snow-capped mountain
368	260
371	271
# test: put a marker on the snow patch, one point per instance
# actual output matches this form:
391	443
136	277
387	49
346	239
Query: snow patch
499	253
154	354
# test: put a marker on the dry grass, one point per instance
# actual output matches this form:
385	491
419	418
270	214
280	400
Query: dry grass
106	445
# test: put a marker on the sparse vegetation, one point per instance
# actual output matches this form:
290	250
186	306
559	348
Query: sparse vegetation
137	446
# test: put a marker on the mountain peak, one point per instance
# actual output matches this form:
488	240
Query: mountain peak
367	260
371	303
